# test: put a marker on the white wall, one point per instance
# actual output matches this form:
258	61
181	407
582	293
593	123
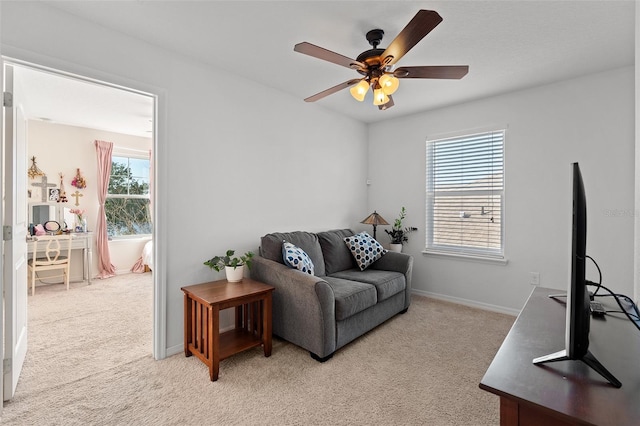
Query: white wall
636	296
63	148
589	120
236	161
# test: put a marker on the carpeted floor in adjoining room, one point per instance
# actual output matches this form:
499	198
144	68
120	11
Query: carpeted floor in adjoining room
89	362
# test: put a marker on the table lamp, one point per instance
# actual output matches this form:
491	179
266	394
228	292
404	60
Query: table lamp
374	219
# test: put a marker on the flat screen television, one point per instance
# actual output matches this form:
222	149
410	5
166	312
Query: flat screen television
578	301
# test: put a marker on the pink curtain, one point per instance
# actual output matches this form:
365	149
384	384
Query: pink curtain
138	268
103	150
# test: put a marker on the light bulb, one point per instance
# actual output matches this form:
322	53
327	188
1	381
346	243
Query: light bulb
379	97
389	84
359	90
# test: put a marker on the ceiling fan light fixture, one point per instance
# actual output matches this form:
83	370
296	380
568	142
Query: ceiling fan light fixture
379	97
389	84
378	65
359	90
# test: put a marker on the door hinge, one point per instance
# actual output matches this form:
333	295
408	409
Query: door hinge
7	233
6	365
7	99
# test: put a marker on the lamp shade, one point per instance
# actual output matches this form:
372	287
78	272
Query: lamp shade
379	97
389	84
359	90
374	219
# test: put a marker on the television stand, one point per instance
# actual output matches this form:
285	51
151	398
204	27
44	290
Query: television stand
569	392
588	359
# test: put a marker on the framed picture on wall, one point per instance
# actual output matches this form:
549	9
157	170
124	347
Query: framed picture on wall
54	194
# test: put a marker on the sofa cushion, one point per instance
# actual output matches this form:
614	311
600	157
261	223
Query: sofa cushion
365	249
351	296
387	283
271	247
296	258
337	256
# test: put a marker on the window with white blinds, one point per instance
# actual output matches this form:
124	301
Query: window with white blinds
465	195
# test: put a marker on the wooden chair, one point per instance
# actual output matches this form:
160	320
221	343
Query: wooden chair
55	254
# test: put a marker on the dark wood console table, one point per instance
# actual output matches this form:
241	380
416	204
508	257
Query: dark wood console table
566	392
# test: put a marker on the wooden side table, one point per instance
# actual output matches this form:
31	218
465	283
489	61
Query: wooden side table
202	306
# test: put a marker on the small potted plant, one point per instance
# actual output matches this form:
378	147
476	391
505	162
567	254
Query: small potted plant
398	234
232	265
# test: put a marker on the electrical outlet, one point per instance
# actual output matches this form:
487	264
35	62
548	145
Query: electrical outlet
534	278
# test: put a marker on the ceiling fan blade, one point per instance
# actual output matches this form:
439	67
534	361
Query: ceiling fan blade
416	29
451	71
387	105
331	90
327	55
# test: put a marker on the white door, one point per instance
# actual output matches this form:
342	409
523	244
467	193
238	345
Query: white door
15	244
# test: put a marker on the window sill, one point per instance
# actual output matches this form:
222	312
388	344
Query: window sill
468	257
130	239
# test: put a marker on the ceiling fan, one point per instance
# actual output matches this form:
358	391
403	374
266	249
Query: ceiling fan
377	64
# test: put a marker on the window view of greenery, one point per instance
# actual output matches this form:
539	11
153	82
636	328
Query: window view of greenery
127	204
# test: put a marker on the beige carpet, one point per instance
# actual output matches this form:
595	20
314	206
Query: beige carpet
89	362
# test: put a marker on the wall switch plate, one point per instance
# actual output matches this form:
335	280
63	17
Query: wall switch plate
534	278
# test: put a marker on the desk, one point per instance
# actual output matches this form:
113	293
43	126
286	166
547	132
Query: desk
202	306
79	241
566	392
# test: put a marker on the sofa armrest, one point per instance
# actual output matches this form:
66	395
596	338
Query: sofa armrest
303	306
398	262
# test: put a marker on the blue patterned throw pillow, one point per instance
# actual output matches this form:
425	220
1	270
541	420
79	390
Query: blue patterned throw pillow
296	258
365	249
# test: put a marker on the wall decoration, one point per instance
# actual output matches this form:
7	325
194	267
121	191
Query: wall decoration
79	181
43	184
77	194
34	171
54	194
63	193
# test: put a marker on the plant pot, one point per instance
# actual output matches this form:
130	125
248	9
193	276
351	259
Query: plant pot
395	247
234	275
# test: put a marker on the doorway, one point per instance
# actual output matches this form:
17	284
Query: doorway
52	97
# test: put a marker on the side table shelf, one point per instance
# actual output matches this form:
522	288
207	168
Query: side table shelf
202	305
237	340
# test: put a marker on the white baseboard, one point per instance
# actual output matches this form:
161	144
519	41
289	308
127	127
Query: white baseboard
467	302
172	350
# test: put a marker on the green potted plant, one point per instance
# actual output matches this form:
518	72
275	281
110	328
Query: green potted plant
232	265
398	233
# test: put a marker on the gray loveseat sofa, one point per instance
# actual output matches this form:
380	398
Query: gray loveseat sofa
323	312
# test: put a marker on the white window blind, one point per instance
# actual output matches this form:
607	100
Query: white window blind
465	194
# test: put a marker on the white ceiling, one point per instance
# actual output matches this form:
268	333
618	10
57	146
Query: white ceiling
508	45
60	99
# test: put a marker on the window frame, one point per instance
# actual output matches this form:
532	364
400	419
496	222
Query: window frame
468	252
129	156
